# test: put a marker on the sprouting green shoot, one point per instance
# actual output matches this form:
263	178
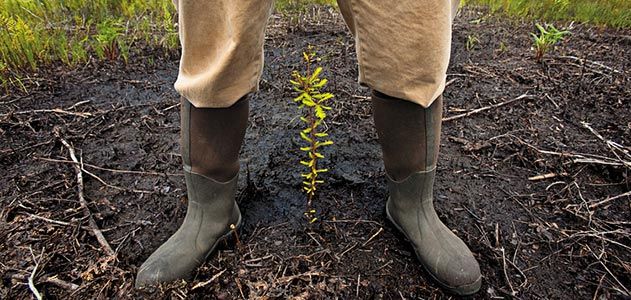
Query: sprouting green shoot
546	39
472	42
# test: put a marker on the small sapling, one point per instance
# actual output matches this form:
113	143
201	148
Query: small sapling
313	104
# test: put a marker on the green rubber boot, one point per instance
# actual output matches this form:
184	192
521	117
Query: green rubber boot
410	137
445	256
211	139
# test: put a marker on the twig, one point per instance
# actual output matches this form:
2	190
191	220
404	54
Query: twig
358	283
288	279
54	110
31	278
613	146
600	283
353	221
609	199
233	228
151	173
49	279
238	282
583	61
372	237
49	220
594	161
78	103
251	262
625	290
205	283
481	109
347	249
24	147
84	204
114	186
578	157
171	107
448	83
513	293
546	176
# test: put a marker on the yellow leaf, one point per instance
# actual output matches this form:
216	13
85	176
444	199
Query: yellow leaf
315	74
308	102
321	83
305	137
320	112
320	144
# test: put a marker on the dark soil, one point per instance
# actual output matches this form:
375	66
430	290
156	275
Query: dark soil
534	238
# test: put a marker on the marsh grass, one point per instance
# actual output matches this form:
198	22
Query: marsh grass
35	33
613	13
299	6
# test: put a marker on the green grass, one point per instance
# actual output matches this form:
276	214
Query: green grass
293	6
614	13
36	33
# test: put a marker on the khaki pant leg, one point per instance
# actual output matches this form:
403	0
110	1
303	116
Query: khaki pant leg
222	49
403	46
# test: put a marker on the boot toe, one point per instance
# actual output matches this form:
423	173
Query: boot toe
154	271
165	265
460	276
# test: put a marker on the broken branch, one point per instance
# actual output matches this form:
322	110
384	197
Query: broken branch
84	204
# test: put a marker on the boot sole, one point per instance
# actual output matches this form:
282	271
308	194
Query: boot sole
464	290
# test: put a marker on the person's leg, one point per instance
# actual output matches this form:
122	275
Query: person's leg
221	63
403	52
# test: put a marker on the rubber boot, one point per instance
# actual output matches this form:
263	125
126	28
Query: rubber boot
211	140
410	137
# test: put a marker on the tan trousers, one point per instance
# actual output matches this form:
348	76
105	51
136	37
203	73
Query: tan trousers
402	47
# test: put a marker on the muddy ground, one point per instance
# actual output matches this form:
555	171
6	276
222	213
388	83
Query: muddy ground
565	235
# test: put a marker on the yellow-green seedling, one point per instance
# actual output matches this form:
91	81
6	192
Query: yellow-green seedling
472	41
313	104
546	39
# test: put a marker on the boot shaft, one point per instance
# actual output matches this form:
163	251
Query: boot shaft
211	138
409	134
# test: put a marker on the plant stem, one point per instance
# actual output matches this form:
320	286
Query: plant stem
312	124
314	166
